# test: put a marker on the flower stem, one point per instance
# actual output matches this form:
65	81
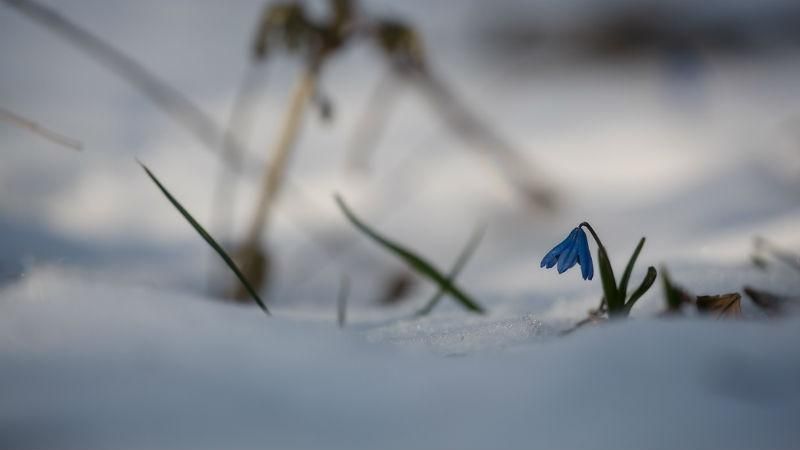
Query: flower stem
594	234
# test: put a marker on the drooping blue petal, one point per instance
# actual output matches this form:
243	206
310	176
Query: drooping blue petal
549	259
584	255
552	256
572	250
568	258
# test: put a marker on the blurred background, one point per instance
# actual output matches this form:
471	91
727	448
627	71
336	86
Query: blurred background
672	119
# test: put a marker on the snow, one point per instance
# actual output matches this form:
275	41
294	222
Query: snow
103	365
109	338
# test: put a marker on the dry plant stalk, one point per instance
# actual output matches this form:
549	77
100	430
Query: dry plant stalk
39	130
222	200
464	123
287	26
372	122
163	95
251	257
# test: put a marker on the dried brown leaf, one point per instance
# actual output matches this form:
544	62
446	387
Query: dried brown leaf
725	306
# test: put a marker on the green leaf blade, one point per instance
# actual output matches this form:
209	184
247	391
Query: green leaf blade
626	276
415	262
671	293
462	260
647	282
209	240
613	299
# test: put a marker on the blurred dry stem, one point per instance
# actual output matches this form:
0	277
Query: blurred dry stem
237	128
372	122
35	128
763	246
275	171
403	48
511	163
341	301
288	26
772	304
166	97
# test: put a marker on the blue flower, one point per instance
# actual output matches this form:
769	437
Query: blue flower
574	249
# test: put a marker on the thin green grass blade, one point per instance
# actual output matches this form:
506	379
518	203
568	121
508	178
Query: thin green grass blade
613	299
648	281
462	260
207	237
423	267
623	284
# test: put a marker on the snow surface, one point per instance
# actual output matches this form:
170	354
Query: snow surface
95	366
108	337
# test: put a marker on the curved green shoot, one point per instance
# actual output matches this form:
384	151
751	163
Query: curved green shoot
648	281
415	262
462	260
626	276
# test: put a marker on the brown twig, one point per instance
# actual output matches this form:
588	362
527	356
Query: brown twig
223	198
275	170
595	316
372	123
39	130
476	132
